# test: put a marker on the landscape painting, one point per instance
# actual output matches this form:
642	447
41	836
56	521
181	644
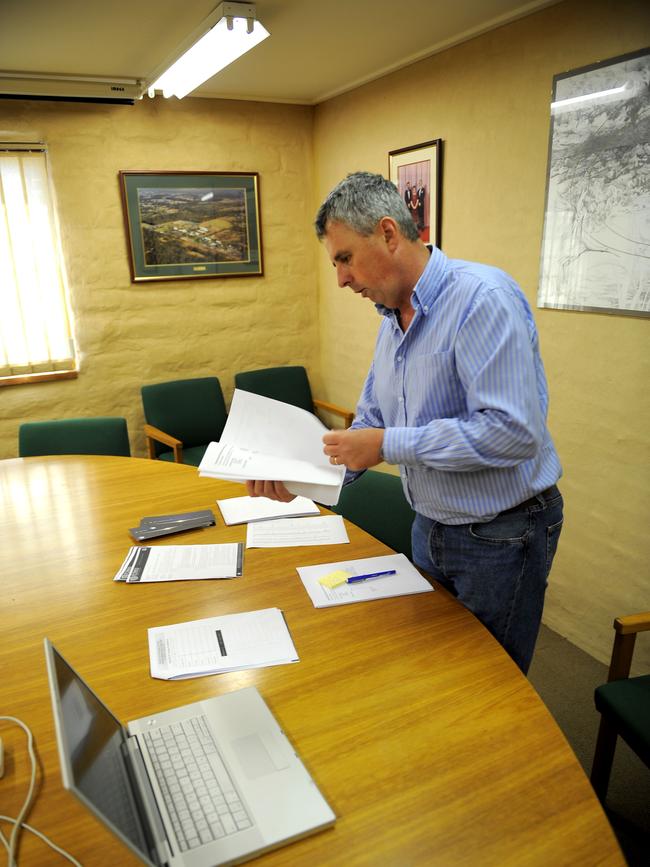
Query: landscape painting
182	225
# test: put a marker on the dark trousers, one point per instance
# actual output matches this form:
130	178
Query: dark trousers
499	569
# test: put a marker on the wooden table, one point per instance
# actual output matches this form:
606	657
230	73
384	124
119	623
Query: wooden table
427	741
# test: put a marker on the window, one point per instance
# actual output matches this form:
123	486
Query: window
36	341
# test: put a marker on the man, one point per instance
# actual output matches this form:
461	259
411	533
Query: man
456	396
407	194
421	193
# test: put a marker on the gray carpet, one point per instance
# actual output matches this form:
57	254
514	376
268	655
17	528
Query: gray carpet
565	677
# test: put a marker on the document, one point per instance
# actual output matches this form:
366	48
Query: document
244	510
181	563
269	439
254	639
405	581
287	532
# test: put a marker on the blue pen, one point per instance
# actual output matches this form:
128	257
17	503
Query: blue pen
354	578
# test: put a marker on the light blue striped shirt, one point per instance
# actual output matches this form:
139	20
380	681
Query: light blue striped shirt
462	395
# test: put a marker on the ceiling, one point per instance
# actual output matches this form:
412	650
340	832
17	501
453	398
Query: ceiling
317	48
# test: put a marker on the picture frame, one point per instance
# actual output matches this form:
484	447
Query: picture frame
420	165
190	225
595	254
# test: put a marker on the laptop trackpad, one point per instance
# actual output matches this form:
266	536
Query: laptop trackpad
259	755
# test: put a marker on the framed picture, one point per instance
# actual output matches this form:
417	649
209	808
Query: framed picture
596	241
415	171
185	225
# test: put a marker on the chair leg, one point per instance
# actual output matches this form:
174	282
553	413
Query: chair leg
603	758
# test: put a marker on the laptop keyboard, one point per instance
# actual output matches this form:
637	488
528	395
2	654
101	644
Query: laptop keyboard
200	796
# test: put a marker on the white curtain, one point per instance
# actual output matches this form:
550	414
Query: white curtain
35	326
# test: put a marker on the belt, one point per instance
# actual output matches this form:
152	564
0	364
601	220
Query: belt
546	495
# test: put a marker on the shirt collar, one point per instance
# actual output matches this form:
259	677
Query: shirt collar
428	287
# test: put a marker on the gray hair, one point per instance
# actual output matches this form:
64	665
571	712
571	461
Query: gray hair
360	201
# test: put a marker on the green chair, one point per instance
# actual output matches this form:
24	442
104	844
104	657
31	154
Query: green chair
623	703
290	385
182	417
376	503
74	436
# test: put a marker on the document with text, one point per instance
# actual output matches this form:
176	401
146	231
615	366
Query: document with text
288	532
144	564
405	580
231	642
245	510
271	440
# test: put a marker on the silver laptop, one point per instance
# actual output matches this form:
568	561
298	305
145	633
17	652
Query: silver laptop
214	782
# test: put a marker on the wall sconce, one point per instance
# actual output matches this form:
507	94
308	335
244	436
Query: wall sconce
227	33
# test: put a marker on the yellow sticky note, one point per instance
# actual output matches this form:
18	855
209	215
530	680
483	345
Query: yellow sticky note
334	579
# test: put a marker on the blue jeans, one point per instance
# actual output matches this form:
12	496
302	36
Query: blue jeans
498	569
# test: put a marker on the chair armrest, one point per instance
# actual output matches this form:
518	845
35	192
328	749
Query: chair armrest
153	433
626	630
632	623
345	414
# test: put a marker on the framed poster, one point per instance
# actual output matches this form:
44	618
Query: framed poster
415	171
183	225
596	241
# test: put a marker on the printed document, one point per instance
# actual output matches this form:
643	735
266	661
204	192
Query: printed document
269	439
181	563
244	510
287	532
231	642
406	580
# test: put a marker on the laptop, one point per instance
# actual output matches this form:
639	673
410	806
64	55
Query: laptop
213	782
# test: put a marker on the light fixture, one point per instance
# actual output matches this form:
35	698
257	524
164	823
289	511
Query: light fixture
587	97
227	33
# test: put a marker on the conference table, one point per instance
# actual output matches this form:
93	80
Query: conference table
429	744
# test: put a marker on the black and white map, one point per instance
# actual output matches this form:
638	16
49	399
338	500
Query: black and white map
596	243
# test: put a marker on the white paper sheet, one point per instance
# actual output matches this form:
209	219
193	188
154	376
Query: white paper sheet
269	439
288	532
407	580
231	642
243	510
144	564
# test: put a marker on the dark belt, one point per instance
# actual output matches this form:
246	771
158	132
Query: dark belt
548	494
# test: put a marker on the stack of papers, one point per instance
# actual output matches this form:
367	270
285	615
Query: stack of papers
287	532
270	440
165	525
405	581
231	642
244	510
181	563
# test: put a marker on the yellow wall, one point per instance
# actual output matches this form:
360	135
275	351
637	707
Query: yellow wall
130	334
488	99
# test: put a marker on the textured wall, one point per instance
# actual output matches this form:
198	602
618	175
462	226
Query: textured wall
488	99
129	334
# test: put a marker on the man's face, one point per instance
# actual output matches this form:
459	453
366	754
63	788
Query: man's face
362	262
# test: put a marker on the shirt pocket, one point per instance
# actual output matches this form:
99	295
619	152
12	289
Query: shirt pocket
433	380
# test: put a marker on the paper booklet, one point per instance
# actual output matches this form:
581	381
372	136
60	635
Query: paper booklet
405	581
254	639
245	510
181	563
268	439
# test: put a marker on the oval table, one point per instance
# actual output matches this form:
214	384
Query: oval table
427	741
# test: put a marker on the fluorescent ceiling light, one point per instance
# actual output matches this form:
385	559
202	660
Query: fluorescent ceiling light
235	32
574	100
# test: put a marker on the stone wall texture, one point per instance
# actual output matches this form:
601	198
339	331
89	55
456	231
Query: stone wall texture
129	334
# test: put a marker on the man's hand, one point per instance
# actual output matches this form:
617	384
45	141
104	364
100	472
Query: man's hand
271	490
357	449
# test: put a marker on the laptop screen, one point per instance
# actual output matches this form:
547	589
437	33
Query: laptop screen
90	742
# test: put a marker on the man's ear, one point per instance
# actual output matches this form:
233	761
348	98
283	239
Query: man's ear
390	232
